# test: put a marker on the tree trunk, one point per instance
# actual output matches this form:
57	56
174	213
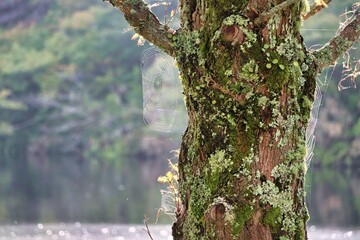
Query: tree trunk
248	86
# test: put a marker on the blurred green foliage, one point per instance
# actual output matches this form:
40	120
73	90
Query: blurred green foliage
68	128
5	103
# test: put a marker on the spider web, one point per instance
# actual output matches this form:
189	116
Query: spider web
322	84
349	69
163	105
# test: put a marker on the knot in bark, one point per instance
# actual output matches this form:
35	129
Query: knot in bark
232	34
217	212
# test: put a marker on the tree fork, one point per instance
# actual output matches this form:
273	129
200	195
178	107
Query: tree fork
249	85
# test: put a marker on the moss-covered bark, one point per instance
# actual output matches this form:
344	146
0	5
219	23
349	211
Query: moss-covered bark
248	90
249	84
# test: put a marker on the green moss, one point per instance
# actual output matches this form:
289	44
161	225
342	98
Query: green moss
262	101
231	3
198	203
305	7
189	42
194	147
284	238
201	194
242	215
296	154
219	8
285	173
273	218
220	166
218	162
270	194
249	71
300	233
194	228
323	56
243	145
290	48
297	25
306	105
277	76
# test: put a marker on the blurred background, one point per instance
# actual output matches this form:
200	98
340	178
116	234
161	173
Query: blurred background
73	143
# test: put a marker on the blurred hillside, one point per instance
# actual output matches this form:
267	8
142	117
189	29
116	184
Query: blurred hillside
14	12
73	145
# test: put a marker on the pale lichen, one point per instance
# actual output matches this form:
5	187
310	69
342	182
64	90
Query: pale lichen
219	163
270	194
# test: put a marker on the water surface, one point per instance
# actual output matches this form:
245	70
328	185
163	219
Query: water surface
79	231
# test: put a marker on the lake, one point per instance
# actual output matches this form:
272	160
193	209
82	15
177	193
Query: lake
80	231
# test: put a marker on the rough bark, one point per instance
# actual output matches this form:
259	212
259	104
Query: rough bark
249	85
144	22
328	54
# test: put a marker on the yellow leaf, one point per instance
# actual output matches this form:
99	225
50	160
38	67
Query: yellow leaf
135	36
162	179
170	175
172	13
172	166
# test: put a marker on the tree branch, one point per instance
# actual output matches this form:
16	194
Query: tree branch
265	16
339	44
316	7
145	23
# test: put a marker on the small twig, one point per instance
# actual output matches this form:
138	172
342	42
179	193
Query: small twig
350	72
165	12
265	16
146	24
172	16
239	98
147	230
